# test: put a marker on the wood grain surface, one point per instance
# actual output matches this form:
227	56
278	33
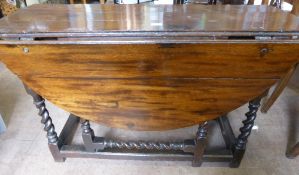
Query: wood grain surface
152	86
87	19
295	9
132	61
147	67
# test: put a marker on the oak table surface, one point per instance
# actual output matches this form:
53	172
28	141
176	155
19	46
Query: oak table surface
149	67
69	20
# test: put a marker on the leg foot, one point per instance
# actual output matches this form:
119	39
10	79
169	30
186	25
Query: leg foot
294	152
201	141
55	151
88	136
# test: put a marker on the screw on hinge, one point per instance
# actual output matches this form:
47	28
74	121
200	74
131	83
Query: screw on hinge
26	50
264	51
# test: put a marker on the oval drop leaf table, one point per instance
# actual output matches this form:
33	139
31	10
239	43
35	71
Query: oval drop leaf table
150	68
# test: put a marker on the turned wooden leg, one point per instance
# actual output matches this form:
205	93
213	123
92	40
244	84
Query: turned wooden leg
200	144
240	145
88	136
53	142
294	152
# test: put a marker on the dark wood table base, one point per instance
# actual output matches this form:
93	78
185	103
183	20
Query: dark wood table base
186	150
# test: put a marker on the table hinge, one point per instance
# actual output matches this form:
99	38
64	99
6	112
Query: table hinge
267	38
263	38
26	39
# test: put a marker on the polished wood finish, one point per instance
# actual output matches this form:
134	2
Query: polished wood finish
295	9
149	67
70	20
160	61
149	87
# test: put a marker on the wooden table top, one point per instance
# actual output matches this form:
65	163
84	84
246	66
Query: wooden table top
176	66
149	20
